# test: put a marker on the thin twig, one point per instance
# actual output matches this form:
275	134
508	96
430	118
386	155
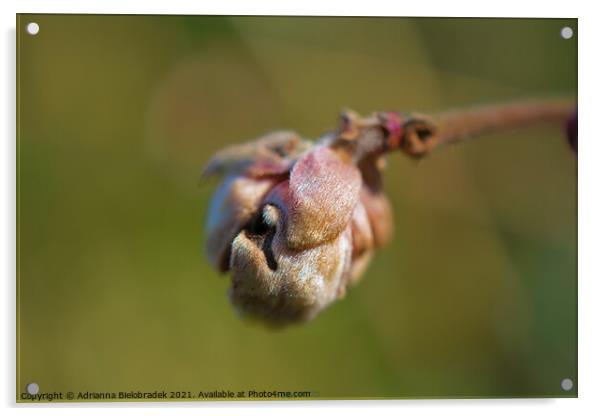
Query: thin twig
461	125
418	135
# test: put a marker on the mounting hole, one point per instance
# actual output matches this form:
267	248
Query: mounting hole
32	388
566	384
32	28
566	32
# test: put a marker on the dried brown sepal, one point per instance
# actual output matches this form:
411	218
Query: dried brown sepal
233	205
271	151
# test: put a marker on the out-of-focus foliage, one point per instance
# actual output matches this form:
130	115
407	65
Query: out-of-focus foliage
476	295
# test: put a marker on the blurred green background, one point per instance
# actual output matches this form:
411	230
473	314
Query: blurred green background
476	296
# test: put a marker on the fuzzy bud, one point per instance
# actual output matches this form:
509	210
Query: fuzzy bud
292	229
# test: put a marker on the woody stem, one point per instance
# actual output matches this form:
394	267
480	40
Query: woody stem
422	135
459	125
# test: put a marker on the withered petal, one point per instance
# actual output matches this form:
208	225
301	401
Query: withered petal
273	147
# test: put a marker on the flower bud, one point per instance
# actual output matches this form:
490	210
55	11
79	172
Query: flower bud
293	230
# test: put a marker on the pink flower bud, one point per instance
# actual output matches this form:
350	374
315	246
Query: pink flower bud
293	233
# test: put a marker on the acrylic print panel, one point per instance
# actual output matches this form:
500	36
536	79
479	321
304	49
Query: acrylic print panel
155	265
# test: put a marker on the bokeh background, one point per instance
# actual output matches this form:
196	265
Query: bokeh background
476	296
